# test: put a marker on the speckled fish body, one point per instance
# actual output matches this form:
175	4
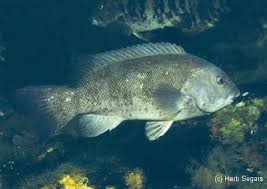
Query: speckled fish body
160	83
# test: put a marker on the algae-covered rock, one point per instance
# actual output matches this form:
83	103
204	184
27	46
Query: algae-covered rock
239	138
135	179
223	163
204	177
110	170
66	175
218	163
75	176
74	182
233	123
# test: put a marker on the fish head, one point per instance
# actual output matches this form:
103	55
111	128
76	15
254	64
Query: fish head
210	88
104	13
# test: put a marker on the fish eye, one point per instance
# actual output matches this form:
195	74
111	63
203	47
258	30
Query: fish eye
100	7
219	80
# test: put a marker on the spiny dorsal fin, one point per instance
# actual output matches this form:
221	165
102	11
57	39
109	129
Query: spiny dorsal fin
147	49
91	63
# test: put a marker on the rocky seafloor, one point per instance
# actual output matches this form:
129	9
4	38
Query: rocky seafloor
37	42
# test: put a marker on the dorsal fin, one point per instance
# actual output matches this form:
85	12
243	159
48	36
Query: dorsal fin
147	49
91	63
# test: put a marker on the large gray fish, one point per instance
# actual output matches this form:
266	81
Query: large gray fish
159	83
139	16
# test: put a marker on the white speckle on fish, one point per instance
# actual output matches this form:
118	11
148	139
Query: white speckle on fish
67	99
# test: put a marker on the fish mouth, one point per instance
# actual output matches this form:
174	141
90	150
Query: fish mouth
94	22
234	97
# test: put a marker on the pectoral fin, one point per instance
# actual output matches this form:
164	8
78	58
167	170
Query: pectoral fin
169	99
156	129
91	125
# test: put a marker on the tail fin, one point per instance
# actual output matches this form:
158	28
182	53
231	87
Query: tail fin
51	107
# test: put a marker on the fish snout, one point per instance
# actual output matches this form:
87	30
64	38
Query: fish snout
95	22
235	95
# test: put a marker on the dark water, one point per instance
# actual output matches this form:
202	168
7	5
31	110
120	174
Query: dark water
42	37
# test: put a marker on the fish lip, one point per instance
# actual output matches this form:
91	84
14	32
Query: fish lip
236	92
235	96
94	22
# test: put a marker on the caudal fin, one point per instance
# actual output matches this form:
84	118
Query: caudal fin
51	107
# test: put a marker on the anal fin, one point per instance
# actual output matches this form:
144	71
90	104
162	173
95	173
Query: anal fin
156	129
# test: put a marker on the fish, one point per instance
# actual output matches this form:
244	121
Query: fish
159	83
139	17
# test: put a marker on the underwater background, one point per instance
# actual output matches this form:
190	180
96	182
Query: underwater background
38	41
